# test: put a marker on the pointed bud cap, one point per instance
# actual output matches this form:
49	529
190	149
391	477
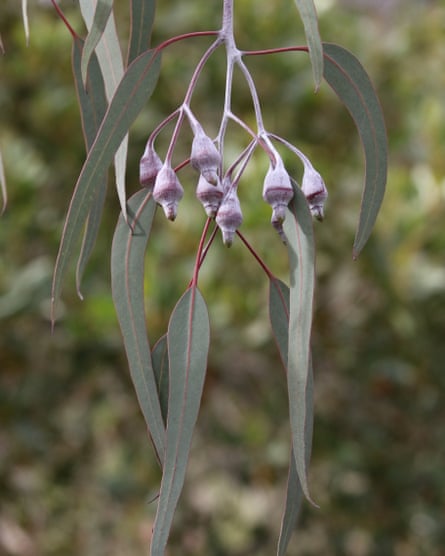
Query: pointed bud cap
277	188
209	195
168	191
229	217
278	216
149	166
315	191
205	157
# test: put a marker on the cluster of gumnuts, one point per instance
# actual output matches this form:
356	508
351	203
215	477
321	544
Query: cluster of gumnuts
217	189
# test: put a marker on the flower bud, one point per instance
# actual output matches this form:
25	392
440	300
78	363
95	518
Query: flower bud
205	157
209	195
149	167
278	216
315	191
168	191
229	216
277	188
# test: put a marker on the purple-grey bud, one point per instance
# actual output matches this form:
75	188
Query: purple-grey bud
277	188
209	195
315	191
278	216
149	167
168	191
205	157
229	216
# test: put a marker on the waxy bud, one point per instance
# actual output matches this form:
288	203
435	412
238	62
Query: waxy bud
168	191
229	216
209	195
149	167
205	157
278	192
315	191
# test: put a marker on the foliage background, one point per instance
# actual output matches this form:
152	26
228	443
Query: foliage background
76	469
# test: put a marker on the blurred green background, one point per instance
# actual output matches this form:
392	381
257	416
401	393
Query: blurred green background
77	471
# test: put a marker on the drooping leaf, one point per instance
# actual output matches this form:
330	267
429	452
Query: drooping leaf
134	90
25	19
142	17
351	83
109	55
100	19
2	48
159	357
93	106
279	316
188	344
3	187
127	282
299	233
309	18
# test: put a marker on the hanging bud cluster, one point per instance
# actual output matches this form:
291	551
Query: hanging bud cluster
278	192
168	191
229	216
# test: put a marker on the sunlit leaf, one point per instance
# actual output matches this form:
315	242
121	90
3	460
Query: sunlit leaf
299	233
159	357
309	18
127	281
25	19
131	95
142	17
92	106
101	16
111	63
349	80
188	344
3	187
279	316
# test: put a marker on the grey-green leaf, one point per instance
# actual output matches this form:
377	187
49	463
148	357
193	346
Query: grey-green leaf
142	17
188	344
279	316
101	16
3	187
159	357
135	88
299	233
93	106
309	18
351	83
127	282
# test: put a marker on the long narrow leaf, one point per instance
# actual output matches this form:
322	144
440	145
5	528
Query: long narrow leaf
279	316
3	187
188	344
100	20
351	83
127	281
25	19
299	233
111	63
159	356
309	18
93	106
142	17
134	90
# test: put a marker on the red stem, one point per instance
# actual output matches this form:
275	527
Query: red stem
260	261
275	50
64	19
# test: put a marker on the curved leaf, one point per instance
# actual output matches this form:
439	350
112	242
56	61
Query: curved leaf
188	344
309	18
301	250
25	19
127	282
134	90
92	110
101	15
142	17
279	316
159	357
351	83
112	66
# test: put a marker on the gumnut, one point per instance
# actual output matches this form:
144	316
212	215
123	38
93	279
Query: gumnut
229	216
168	191
205	157
209	195
315	191
149	166
278	192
